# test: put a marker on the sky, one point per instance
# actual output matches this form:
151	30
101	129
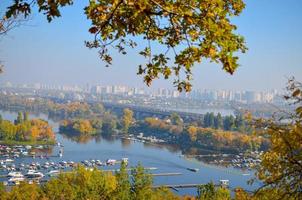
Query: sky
54	53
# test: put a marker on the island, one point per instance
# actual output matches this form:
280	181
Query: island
25	131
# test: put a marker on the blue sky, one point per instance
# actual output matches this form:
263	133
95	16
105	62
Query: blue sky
55	53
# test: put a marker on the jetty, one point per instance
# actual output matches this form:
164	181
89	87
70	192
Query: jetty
188	185
167	174
128	169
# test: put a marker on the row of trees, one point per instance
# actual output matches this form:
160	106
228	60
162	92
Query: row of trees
96	184
105	123
225	140
69	110
195	136
227	123
24	129
82	126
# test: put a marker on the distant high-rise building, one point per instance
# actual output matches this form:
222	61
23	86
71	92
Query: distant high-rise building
250	96
97	89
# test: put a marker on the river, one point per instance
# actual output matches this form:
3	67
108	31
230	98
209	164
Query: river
164	158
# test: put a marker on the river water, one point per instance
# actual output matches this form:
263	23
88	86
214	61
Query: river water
165	158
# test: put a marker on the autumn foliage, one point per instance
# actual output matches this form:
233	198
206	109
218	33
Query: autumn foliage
205	137
26	130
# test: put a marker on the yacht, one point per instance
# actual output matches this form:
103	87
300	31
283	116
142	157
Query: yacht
53	173
110	162
99	163
9	160
16	179
15	174
34	174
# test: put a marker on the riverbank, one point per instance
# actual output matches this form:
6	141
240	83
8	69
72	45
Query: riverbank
13	142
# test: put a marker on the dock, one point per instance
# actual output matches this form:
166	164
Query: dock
128	169
189	185
167	174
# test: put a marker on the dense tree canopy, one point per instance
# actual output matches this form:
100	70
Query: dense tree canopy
127	119
281	166
91	184
24	129
190	30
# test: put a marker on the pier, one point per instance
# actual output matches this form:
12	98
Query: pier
128	169
189	185
167	174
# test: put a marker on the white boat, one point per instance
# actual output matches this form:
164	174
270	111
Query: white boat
15	174
71	163
125	160
9	160
98	162
224	183
16	179
34	174
110	162
53	173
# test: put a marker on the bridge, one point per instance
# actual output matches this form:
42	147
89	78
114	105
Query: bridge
141	112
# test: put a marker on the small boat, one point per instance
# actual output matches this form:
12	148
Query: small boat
60	145
15	174
53	173
125	160
224	183
110	162
16	179
34	174
9	160
61	153
99	163
193	169
71	163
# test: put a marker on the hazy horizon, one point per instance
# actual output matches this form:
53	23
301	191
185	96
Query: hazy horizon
55	53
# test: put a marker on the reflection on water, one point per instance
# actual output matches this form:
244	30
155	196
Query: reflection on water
46	151
125	142
78	138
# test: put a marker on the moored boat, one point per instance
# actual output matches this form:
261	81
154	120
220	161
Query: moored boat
53	173
16	179
193	169
15	174
34	174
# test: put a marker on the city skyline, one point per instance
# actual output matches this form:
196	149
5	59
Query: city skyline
243	96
